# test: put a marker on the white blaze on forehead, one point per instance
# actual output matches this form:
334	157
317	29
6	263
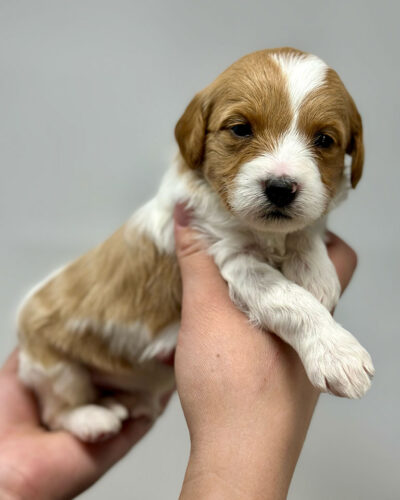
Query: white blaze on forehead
304	73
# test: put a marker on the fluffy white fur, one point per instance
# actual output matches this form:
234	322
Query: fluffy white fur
290	158
303	75
163	345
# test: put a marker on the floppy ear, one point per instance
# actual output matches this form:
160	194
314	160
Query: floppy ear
190	131
355	147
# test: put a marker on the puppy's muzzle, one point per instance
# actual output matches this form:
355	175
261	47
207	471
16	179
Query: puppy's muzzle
281	191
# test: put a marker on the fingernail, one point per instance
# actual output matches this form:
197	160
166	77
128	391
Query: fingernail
182	215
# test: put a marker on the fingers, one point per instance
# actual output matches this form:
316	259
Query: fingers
190	248
200	275
91	460
107	453
343	257
17	402
86	462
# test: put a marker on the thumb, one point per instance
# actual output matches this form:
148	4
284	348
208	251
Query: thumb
198	270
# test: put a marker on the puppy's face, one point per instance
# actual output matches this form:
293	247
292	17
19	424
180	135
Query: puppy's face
270	136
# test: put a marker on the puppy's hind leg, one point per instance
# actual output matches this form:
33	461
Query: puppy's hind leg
66	395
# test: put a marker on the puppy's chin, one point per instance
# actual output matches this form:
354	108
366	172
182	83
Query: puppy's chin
275	221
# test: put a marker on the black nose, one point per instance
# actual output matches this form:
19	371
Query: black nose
281	192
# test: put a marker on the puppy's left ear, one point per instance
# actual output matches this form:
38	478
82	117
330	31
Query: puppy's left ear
355	148
190	131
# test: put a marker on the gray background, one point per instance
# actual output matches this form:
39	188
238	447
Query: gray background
89	95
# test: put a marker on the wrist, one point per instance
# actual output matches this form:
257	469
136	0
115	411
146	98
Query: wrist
209	485
236	468
253	456
211	476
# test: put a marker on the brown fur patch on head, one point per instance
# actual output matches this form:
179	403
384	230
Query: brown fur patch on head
355	147
330	110
252	90
191	129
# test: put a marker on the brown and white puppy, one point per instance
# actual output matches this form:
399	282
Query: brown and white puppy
262	161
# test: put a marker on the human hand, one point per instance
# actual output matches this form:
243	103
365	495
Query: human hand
38	465
245	395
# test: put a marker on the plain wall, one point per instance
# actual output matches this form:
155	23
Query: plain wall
90	91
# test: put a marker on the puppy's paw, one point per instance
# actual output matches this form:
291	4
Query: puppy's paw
117	408
337	363
90	423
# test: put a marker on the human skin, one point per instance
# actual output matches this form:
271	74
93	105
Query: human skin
36	464
246	397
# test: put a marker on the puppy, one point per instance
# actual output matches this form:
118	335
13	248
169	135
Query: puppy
261	162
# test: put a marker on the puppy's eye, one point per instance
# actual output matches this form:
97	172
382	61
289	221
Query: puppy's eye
323	141
242	130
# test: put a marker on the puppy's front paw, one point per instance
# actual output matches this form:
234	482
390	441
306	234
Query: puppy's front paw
91	423
337	363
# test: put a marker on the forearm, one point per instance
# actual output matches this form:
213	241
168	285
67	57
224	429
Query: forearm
256	458
246	397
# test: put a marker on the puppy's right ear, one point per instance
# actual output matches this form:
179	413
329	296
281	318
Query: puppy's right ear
190	131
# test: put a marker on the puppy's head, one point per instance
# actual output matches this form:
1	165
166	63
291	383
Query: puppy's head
270	136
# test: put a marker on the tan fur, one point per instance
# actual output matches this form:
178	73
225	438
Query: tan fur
117	281
331	109
252	89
